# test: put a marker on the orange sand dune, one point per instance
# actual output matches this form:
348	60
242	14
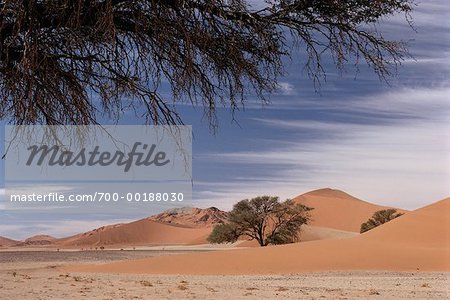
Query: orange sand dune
39	240
338	210
5	242
192	217
427	227
417	241
315	233
142	232
41	237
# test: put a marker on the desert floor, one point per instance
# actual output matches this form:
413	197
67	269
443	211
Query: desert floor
35	275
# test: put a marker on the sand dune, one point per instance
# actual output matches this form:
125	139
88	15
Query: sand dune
315	233
42	239
338	210
154	230
192	217
6	242
427	227
142	232
417	241
178	226
335	215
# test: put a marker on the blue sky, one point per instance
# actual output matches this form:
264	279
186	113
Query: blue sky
388	144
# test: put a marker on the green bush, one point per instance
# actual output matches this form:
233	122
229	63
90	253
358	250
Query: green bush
378	218
264	219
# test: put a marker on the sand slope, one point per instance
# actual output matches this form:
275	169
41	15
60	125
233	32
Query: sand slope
37	240
178	226
427	227
142	232
5	242
192	217
418	241
314	233
338	210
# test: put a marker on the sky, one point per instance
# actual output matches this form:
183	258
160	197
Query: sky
384	143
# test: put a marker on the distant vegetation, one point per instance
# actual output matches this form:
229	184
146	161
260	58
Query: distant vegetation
264	219
378	218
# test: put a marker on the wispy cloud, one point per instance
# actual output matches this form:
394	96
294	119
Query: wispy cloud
287	89
381	161
388	144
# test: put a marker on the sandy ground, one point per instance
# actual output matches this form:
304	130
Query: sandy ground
414	247
35	275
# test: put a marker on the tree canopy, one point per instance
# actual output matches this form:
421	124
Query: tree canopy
70	62
380	217
264	219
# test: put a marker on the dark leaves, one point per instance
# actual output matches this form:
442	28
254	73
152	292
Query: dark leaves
264	219
69	62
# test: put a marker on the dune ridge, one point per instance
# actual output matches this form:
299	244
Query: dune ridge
141	232
338	210
7	242
336	214
394	246
192	217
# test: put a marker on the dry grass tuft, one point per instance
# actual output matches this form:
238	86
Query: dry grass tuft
146	283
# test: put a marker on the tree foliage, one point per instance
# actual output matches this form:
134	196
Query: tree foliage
378	218
71	61
264	219
224	233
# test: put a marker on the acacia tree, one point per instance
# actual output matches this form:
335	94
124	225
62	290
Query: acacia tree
379	217
70	61
264	219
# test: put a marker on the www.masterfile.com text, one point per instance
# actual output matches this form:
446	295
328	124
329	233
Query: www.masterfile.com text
98	197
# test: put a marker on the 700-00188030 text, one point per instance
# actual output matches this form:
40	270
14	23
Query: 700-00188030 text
98	197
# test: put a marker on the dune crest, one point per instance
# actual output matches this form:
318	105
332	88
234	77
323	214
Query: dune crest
427	227
38	240
6	242
141	232
427	250
192	217
338	210
177	226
